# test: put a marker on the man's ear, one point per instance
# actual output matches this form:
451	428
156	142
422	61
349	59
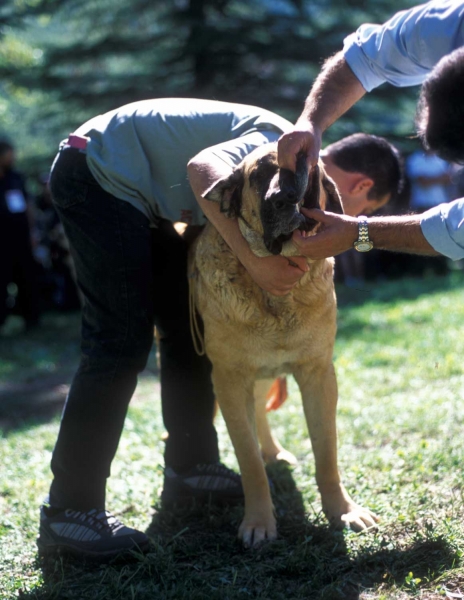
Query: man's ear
228	192
333	202
362	185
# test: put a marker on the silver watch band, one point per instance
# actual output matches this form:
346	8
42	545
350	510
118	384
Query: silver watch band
363	243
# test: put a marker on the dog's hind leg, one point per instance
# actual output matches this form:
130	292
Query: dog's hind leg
318	387
271	449
235	398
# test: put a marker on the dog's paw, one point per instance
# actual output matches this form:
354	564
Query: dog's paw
342	512
280	455
358	519
254	531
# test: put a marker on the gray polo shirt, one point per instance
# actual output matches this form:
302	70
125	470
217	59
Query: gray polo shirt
139	152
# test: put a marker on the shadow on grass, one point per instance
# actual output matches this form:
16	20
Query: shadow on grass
195	555
36	370
423	560
199	563
24	404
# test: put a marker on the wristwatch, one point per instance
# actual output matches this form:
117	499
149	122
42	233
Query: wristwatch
363	243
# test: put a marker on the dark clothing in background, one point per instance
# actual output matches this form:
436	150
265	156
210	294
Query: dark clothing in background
17	264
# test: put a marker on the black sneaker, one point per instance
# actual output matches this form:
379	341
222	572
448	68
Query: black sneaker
206	483
92	534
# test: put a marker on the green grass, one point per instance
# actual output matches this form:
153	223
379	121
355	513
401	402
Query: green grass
401	410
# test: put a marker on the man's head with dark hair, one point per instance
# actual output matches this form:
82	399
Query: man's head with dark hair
367	169
440	113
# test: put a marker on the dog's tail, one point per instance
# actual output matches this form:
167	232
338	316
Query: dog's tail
277	394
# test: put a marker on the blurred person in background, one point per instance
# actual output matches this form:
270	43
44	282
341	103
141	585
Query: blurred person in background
430	180
51	249
18	268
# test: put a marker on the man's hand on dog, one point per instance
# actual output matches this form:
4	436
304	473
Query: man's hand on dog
336	234
277	275
305	139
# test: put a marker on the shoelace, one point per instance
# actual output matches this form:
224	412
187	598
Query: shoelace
99	519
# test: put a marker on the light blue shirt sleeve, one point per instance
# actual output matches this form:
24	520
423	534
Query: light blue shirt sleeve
405	49
443	228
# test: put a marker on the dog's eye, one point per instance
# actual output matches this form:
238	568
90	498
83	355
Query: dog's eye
261	176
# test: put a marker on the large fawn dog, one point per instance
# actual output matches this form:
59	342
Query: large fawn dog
251	335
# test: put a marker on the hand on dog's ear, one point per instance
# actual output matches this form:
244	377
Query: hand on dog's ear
228	193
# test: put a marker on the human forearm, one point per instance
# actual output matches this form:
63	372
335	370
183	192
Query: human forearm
335	90
338	233
399	234
203	173
228	228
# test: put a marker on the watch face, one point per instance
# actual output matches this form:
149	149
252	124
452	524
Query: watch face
364	246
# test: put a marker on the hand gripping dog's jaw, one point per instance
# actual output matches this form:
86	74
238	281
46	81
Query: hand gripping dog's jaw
281	200
268	199
280	209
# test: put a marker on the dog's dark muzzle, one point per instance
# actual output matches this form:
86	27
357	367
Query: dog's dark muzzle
287	192
281	195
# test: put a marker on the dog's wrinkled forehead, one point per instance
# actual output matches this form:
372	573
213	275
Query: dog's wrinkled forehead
271	182
262	171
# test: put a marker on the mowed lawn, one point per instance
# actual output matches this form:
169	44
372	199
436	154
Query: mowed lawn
399	361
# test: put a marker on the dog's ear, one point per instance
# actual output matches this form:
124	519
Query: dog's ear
333	202
313	193
301	175
228	192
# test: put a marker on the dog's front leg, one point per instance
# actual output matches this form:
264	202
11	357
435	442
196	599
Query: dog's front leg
318	387
235	398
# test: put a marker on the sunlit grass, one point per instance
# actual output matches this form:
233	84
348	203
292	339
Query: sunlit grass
401	449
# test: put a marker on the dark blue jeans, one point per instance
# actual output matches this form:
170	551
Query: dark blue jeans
132	277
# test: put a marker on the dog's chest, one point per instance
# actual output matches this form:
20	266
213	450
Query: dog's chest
270	334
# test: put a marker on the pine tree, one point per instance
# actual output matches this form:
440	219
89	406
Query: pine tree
83	57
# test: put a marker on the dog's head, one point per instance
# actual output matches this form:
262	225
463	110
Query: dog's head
267	199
